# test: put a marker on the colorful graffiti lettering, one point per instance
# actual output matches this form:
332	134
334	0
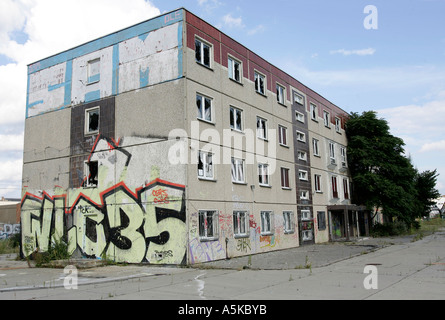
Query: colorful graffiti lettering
7	230
122	227
110	221
161	196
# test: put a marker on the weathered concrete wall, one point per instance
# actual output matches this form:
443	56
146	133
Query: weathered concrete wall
133	215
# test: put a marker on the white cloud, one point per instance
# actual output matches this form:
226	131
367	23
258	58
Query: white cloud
433	146
11	142
11	171
361	52
421	127
257	29
232	22
49	27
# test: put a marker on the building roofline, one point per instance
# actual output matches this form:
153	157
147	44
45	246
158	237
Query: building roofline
107	35
184	19
271	64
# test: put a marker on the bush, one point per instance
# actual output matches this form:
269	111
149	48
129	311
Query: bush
57	251
387	229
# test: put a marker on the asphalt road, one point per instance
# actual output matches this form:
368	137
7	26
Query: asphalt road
404	270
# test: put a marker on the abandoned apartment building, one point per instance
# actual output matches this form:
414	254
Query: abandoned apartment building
170	143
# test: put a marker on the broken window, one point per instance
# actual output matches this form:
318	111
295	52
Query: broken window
238	170
259	83
93	71
202	53
234	70
208	224
205	165
92	120
280	94
314	115
91	172
267	222
240	224
204	106
236	119
261	128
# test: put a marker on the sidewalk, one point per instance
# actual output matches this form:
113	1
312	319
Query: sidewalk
306	257
23	275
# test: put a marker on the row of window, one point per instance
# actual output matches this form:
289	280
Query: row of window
203	57
206	171
209	227
205	112
208	223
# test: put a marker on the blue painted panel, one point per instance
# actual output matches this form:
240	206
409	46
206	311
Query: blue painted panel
92	96
110	40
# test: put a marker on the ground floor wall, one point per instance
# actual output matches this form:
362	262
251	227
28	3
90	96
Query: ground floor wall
238	229
135	212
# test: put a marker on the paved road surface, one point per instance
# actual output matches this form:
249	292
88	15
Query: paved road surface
405	270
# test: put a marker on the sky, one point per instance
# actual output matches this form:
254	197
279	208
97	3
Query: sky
386	56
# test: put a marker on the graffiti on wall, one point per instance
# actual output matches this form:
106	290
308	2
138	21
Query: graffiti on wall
112	220
8	230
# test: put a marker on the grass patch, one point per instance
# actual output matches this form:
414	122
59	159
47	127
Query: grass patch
10	245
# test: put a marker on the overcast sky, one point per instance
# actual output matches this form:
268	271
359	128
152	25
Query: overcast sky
396	68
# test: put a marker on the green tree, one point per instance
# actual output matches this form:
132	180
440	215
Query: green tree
382	176
425	185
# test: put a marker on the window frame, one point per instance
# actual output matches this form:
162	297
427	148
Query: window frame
304	195
203	225
300	117
88	120
346	188
301	136
263	173
337	124
314	112
332	152
285	178
334	187
257	77
321	220
282	133
316	147
296	100
93	77
87	173
206	157
270	219
204	99
317	183
231	63
303	175
281	94
236	162
326	119
288	222
302	155
264	129
203	45
238	224
235	112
